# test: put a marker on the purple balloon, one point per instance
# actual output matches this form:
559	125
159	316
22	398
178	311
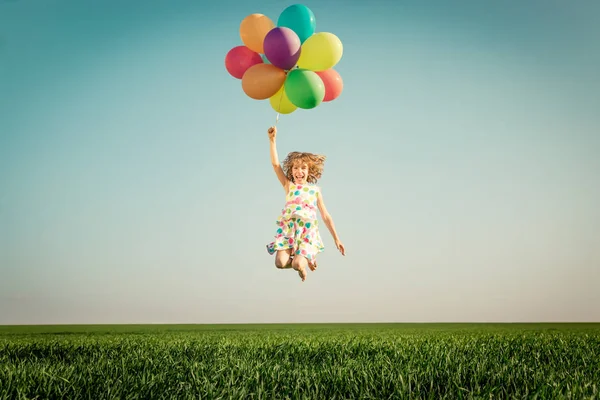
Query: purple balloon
282	47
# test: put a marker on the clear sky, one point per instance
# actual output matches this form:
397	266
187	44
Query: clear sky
463	169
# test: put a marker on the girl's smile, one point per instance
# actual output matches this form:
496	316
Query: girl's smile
300	173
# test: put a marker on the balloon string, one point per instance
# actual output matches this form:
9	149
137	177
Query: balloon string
279	107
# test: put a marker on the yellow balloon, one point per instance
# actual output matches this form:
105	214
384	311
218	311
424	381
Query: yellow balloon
320	52
280	102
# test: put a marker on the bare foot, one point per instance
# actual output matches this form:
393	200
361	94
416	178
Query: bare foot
302	273
312	266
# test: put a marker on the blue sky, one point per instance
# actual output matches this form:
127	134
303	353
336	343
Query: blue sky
462	170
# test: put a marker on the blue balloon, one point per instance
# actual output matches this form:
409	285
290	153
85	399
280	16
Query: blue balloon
300	19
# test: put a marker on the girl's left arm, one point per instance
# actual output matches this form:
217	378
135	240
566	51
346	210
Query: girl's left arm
329	223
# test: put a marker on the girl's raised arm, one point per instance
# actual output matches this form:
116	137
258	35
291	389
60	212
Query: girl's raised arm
275	159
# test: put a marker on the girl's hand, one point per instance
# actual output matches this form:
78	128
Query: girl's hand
340	247
272	132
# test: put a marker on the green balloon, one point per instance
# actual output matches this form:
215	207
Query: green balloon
304	88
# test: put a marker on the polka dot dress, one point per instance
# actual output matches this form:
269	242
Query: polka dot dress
297	226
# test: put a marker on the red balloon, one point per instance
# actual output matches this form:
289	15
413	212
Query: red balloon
239	59
333	84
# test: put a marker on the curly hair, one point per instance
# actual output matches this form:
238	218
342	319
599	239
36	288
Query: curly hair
315	164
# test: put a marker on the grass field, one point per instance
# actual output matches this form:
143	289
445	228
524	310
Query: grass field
308	361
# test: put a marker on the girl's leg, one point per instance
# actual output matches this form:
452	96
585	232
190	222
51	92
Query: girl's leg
282	259
299	264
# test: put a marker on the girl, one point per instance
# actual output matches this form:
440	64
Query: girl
298	241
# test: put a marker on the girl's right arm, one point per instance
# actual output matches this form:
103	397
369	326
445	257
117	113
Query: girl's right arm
275	159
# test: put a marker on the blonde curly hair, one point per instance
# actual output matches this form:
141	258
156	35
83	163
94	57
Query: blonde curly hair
315	164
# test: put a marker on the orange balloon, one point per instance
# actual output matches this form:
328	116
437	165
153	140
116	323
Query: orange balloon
262	81
253	30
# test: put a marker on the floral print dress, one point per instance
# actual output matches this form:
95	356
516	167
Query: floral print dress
297	226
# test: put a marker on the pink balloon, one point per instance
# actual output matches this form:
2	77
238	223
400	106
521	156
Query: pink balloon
239	59
282	47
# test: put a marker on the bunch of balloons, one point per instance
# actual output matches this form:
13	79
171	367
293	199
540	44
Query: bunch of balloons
289	64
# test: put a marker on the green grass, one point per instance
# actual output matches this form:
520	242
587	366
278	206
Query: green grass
308	361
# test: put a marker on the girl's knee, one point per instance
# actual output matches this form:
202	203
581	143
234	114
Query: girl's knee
279	263
281	259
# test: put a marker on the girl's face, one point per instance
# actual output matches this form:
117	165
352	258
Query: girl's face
300	172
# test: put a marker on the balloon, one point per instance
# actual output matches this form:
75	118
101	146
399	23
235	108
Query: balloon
253	30
304	88
282	47
333	84
281	103
262	81
321	51
300	19
289	63
239	59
